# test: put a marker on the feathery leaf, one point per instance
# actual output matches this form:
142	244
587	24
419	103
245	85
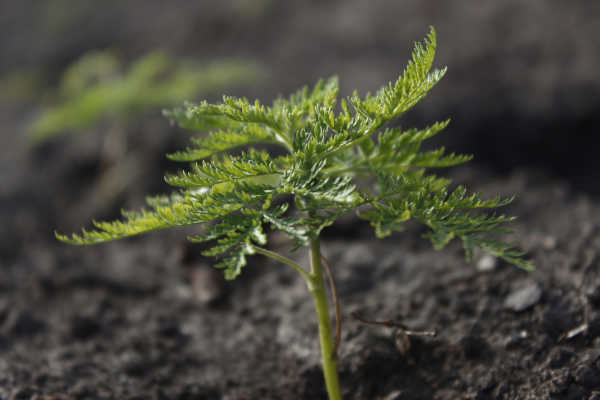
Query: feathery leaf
335	163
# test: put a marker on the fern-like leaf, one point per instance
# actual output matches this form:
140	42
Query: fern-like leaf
336	162
223	141
253	164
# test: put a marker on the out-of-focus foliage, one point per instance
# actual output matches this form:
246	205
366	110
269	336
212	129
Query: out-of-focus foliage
98	86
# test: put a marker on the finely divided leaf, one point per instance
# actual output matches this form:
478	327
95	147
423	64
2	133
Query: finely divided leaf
335	162
223	141
253	164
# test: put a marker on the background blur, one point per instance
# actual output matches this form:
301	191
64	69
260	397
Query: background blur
522	87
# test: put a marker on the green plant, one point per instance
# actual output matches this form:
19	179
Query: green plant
321	164
97	87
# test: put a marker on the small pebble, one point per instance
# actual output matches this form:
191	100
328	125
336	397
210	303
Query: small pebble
395	395
487	263
549	242
523	298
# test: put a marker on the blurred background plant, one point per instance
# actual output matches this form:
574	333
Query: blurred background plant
98	91
98	87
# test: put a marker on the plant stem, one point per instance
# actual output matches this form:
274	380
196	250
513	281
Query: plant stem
336	306
316	285
285	260
329	359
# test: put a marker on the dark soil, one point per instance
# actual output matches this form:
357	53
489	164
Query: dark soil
148	318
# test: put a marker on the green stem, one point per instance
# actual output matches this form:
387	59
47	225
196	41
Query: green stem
328	355
285	260
316	285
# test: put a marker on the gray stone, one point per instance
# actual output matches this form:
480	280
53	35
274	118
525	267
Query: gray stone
523	298
487	263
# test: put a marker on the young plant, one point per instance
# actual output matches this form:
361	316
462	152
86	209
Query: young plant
318	164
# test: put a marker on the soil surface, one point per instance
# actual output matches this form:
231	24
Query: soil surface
148	318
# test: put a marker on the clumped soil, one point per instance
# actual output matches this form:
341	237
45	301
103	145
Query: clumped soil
148	318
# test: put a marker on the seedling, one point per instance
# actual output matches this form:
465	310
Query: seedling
317	165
